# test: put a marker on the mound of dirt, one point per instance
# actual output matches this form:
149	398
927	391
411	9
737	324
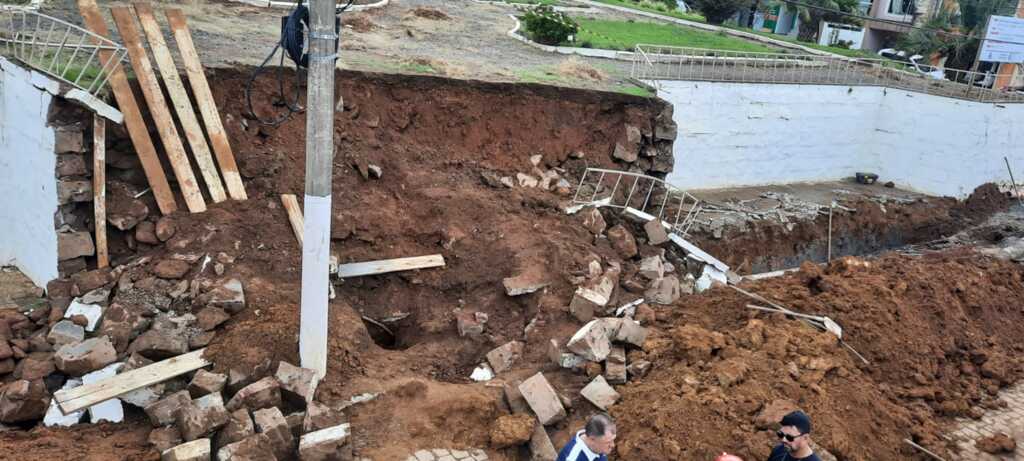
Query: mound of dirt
574	67
430	13
941	333
359	22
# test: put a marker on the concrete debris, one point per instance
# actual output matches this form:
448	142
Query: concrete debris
71	245
665	290
639	368
298	385
470	323
55	417
535	159
624	153
502	358
652	267
593	341
110	410
159	344
632	333
375	171
656	233
23	400
633	136
65	332
165	438
92	312
615	372
507	182
617	355
599	393
522	284
514	398
205	382
255	447
526	180
211	317
543	399
271	422
319	416
593	297
264	393
622	241
162	413
196	450
324	444
98	296
229	296
201	417
593	221
83	357
238	427
482	373
541	448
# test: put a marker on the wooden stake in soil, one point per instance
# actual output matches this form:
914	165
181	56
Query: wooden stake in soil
182	104
319	153
158	110
291	206
207	107
99	188
132	117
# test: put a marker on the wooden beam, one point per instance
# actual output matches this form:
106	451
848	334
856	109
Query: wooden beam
99	188
133	121
125	21
389	265
207	106
291	205
179	99
82	397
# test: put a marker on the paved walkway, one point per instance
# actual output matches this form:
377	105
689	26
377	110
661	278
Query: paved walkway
1009	420
441	454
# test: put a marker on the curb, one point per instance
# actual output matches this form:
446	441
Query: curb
33	5
565	9
587	52
275	4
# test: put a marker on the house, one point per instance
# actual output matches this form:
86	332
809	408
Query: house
891	18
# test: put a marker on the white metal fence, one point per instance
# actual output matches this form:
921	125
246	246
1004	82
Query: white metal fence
656	62
60	49
625	189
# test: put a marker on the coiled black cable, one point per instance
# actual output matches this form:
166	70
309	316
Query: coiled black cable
292	43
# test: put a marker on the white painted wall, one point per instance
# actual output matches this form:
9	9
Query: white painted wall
28	188
754	134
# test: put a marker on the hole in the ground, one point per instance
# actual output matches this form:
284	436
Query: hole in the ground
386	335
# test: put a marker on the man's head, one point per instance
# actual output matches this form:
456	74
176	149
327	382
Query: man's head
599	434
795	431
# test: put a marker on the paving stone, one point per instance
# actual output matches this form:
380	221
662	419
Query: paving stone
543	399
298	385
163	412
502	358
83	357
261	394
271	422
201	417
196	450
323	444
600	393
424	455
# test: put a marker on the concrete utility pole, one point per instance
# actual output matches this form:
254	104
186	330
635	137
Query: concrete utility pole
319	152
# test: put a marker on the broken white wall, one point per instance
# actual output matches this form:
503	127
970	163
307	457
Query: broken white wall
28	190
734	134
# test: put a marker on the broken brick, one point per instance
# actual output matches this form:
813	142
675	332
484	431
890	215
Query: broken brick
23	400
502	358
600	393
201	417
324	444
164	438
163	412
271	422
196	450
238	427
264	393
205	382
211	317
80	358
542	399
298	385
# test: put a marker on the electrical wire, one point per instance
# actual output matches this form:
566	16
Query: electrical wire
292	44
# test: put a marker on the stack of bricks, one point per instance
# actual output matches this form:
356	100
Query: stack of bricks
73	218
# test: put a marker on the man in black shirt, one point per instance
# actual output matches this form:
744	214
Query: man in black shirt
795	439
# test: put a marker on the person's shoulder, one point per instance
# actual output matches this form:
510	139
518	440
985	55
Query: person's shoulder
563	455
777	453
813	457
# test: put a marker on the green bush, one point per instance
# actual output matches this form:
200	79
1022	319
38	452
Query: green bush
547	26
718	11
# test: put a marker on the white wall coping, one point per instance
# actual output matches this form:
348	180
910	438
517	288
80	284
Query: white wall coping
32	6
54	87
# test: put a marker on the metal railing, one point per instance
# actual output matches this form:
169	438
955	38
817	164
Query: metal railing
624	189
656	62
60	49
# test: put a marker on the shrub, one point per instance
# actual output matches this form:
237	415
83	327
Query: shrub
718	11
548	26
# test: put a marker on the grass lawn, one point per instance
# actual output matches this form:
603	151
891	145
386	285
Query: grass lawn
625	35
830	49
535	2
646	7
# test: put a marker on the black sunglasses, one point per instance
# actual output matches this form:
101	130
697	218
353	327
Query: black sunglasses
789	438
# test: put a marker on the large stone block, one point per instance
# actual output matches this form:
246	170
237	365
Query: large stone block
543	399
71	245
201	417
90	355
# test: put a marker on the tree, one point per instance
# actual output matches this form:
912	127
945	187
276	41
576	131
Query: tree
718	11
812	12
954	33
547	26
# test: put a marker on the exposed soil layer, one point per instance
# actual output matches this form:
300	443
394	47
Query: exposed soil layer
947	325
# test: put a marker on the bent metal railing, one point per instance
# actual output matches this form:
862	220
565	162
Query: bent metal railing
624	189
657	62
60	49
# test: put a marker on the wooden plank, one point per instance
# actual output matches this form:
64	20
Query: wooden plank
82	397
389	265
180	101
99	188
158	109
207	107
133	121
291	205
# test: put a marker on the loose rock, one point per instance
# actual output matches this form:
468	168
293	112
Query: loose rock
165	438
201	417
298	385
512	430
238	427
593	221
600	393
196	450
656	234
323	444
271	422
65	332
591	342
145	232
163	412
172	269
622	241
90	355
205	382
502	358
542	399
23	400
211	317
264	393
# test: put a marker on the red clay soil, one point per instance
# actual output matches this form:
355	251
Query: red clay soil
922	323
942	334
